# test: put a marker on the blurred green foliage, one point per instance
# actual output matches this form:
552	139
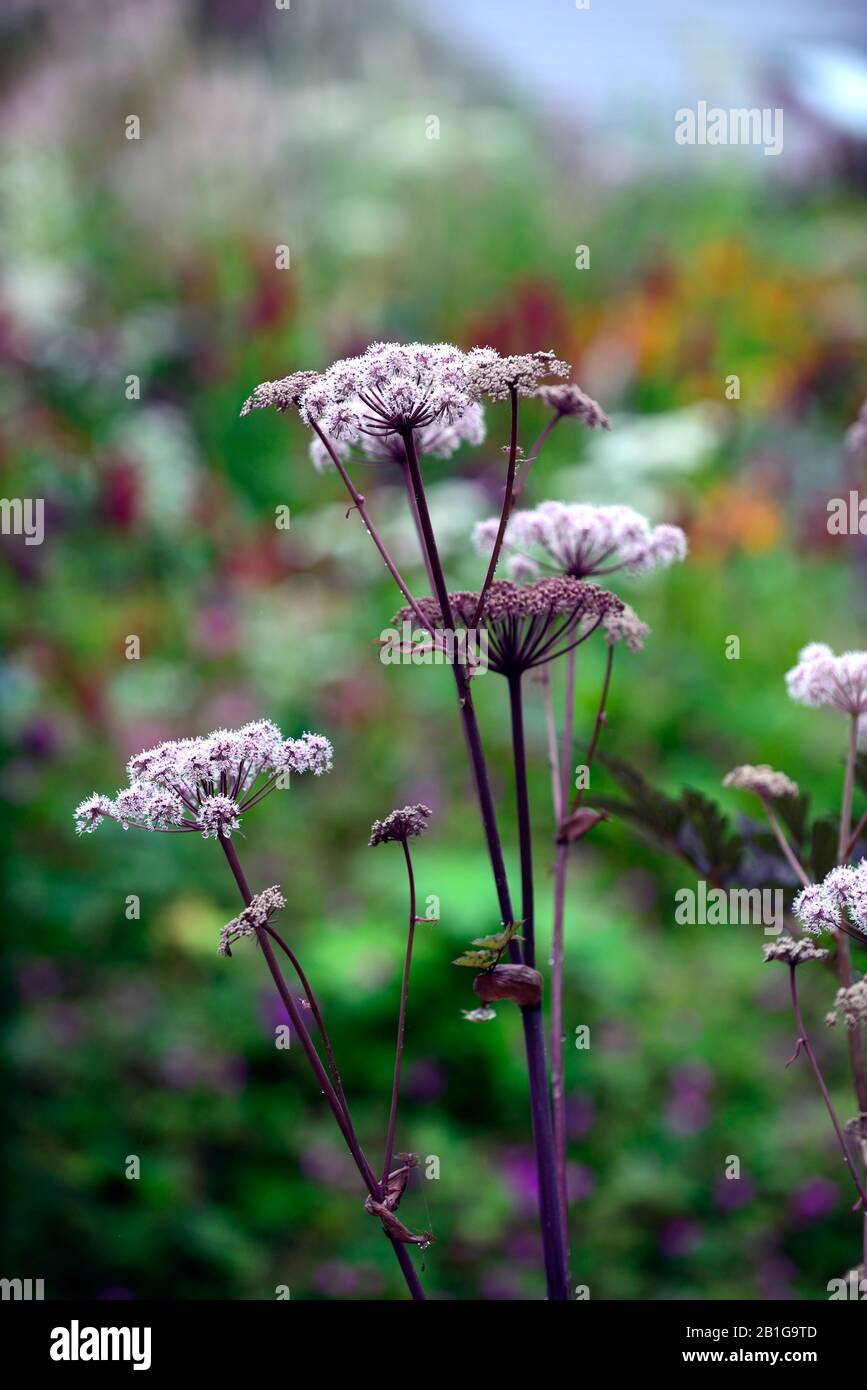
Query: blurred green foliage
131	1037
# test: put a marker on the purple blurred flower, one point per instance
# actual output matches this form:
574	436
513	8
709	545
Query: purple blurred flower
580	1114
678	1238
814	1199
580	1182
730	1194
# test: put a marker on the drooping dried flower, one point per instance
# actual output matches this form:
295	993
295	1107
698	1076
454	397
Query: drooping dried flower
402	825
527	625
793	950
821	678
258	914
205	784
762	780
582	540
569	399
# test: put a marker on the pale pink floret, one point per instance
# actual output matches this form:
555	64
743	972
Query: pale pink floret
843	891
816	910
583	540
431	390
205	784
821	678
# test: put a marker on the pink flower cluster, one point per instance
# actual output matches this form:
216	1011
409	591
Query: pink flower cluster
821	678
205	784
821	906
434	390
582	540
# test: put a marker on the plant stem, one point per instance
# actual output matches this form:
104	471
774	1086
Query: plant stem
361	508
534	454
817	1072
598	725
553	1235
553	751
507	506
401	1018
552	1194
317	1014
525	837
561	870
844	950
341	1116
791	858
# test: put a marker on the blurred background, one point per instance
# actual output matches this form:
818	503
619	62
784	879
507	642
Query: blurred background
310	128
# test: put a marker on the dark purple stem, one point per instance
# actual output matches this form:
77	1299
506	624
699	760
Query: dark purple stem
553	1236
401	1018
340	1115
804	1041
522	797
534	454
507	507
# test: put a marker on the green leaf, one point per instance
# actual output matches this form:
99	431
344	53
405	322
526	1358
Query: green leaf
476	960
722	845
652	809
823	855
499	940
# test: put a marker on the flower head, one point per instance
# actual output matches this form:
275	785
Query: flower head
527	625
581	540
569	399
258	914
851	1005
817	909
373	402
625	626
206	784
402	825
91	812
794	950
496	377
821	678
761	779
281	394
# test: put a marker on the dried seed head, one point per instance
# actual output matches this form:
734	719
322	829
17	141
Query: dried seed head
793	950
527	625
761	779
403	825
